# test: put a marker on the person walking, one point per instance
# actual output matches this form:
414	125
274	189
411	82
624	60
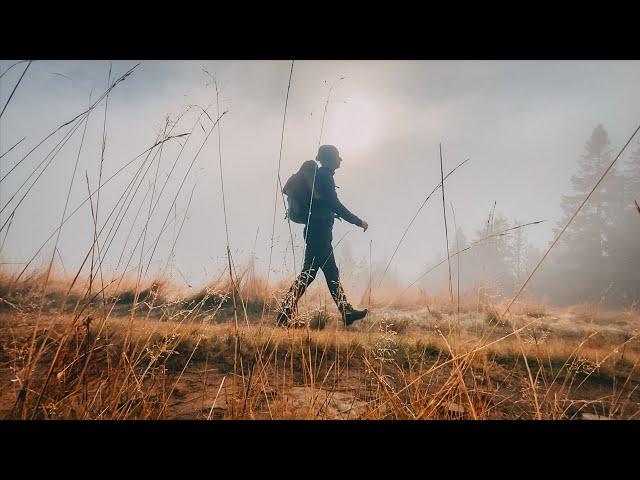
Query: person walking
324	207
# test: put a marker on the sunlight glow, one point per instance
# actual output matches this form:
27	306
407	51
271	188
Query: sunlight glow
353	125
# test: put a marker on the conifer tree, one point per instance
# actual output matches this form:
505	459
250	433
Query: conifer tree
583	254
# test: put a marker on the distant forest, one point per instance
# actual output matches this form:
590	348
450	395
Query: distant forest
597	259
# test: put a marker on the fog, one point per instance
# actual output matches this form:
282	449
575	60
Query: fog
523	125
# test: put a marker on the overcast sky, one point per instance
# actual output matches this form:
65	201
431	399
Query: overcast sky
523	124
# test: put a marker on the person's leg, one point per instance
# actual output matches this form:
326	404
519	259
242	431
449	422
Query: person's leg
289	305
332	276
308	275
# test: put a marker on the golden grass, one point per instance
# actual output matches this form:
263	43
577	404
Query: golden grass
195	362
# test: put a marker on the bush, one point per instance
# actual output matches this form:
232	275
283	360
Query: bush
319	319
492	317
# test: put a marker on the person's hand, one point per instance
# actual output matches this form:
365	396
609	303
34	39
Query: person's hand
365	225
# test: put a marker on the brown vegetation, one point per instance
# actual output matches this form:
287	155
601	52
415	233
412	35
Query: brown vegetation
185	357
128	347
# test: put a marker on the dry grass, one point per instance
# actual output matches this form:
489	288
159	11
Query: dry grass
189	360
130	347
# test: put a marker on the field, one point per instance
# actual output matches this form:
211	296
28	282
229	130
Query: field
113	337
199	357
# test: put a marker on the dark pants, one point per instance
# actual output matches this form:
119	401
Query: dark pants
318	255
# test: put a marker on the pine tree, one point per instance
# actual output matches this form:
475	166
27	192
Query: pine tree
582	256
493	255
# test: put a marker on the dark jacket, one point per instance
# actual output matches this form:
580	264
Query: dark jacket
327	205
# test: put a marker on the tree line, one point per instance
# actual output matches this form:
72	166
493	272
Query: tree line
596	260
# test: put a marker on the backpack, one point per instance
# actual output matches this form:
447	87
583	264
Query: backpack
298	192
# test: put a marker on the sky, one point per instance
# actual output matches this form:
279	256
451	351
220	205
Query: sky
521	124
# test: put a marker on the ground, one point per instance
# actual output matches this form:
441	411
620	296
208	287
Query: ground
397	364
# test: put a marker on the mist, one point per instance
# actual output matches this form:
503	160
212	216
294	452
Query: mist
525	126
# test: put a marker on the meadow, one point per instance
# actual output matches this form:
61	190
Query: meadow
157	354
126	343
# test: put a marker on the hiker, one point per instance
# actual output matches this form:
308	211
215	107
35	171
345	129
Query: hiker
324	207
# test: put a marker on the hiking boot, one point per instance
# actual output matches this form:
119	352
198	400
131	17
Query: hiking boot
350	314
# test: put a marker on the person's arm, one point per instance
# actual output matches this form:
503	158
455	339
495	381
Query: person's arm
331	198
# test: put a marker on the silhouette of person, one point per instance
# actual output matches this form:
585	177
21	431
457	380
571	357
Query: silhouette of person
324	207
